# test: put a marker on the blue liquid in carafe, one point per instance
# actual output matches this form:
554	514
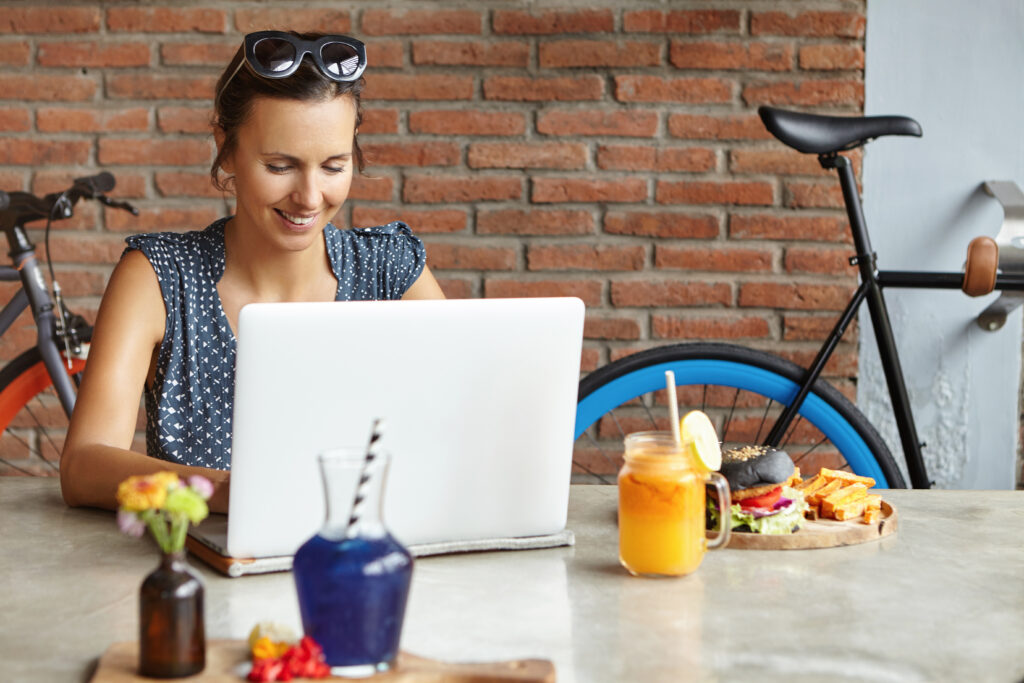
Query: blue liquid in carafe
352	595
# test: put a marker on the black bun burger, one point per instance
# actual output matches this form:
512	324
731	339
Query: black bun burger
763	500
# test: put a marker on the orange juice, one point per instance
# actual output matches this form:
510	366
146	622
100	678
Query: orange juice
661	507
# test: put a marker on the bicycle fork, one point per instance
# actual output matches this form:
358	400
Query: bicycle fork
870	290
33	294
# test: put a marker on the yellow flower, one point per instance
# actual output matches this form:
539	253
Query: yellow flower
145	492
265	648
169	479
270	639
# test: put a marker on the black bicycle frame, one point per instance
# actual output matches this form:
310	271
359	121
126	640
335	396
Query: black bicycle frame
872	282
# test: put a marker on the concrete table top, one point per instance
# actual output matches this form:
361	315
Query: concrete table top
941	599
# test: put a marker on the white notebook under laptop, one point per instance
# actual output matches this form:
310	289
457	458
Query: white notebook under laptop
479	400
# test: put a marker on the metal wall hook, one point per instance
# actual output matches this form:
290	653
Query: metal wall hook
1011	251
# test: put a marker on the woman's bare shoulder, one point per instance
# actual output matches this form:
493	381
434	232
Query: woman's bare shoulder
134	262
133	294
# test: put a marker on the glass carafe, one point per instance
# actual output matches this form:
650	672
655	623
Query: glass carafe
353	576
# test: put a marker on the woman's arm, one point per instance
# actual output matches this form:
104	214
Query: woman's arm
96	455
425	287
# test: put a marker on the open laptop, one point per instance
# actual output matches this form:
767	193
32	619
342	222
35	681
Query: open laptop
478	398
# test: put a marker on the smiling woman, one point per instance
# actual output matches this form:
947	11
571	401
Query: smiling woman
288	185
287	114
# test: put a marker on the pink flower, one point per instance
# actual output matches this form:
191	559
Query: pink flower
129	523
201	485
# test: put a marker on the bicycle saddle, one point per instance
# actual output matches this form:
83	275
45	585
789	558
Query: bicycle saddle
817	134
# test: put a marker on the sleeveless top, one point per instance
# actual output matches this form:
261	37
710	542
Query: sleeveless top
189	405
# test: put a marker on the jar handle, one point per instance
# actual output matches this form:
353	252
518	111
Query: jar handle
724	503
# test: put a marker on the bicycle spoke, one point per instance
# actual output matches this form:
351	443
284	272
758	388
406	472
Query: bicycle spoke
45	434
732	409
791	432
603	454
809	450
43	440
28	447
15	467
592	473
650	415
704	399
764	418
622	432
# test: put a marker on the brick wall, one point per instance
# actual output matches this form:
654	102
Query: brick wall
604	150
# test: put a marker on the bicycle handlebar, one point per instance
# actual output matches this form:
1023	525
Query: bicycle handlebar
24	207
93	185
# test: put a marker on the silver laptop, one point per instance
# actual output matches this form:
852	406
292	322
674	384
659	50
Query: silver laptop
478	397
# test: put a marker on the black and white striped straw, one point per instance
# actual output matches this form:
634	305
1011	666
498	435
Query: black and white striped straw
363	489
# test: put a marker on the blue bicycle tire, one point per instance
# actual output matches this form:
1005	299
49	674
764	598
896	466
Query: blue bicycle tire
749	370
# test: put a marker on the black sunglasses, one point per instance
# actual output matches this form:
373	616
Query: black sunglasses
275	54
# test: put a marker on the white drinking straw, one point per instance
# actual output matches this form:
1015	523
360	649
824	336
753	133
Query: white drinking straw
673	407
372	450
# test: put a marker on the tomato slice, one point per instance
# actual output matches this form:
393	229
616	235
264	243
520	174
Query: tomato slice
763	501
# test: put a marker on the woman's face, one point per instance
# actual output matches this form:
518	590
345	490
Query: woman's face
293	168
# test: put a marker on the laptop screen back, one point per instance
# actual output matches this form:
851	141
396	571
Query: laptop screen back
478	398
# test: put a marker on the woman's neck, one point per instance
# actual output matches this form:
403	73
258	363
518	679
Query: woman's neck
268	274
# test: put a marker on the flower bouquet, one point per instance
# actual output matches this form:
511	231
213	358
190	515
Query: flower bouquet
172	634
164	504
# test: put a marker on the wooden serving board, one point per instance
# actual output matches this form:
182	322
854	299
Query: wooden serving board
226	660
821	533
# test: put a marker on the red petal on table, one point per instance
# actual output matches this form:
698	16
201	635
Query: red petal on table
267	670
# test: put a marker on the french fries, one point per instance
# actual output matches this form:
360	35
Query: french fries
822	492
856	508
872	516
847	476
843	497
839	495
812	485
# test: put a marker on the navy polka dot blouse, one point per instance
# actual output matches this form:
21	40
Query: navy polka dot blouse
188	408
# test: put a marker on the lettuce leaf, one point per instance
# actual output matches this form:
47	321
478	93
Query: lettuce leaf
781	522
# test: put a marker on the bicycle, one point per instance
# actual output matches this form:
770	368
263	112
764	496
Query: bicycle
38	387
753	393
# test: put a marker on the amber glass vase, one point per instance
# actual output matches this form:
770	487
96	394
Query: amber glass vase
172	637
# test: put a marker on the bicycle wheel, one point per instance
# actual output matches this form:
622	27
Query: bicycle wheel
743	390
32	420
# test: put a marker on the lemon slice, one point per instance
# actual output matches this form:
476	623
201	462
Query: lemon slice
696	429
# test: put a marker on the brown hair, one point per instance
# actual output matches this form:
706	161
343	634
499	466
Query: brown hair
232	104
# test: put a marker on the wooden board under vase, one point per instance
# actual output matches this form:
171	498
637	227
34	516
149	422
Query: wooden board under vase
820	533
226	661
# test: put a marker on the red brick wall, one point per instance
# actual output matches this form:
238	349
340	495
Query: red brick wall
611	152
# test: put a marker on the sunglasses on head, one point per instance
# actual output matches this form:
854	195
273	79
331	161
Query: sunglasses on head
275	54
